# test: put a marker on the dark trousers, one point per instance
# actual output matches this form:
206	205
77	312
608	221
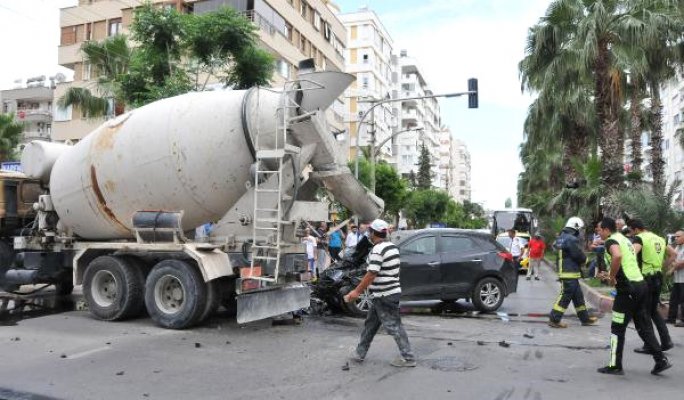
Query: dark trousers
384	311
630	304
676	301
335	253
655	286
570	291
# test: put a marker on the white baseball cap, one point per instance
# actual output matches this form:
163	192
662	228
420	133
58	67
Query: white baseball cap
379	225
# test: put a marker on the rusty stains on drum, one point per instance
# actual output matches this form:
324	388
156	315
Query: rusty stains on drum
102	203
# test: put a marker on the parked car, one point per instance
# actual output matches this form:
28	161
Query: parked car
444	264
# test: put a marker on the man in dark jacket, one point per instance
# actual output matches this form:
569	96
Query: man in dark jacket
570	259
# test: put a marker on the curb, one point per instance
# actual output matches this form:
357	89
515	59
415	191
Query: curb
600	301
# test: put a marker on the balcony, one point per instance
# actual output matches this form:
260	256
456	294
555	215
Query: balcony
33	114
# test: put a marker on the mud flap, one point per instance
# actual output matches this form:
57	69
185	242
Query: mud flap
258	305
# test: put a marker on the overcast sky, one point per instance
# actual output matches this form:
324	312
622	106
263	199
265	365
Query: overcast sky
453	40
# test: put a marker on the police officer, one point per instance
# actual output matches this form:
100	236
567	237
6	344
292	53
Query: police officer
651	252
631	289
570	258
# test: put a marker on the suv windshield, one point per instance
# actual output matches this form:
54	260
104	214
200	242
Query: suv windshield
505	220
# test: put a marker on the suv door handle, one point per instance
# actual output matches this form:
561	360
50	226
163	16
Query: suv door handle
476	260
433	263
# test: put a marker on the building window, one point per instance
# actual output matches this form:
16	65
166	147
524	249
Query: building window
365	58
283	68
317	21
303	8
288	29
114	26
87	70
326	32
89	31
364	82
68	36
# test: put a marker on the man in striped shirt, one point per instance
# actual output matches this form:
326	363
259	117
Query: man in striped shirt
382	281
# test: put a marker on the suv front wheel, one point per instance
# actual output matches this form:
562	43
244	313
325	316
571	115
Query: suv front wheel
488	295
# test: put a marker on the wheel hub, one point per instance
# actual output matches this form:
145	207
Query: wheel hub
104	288
169	294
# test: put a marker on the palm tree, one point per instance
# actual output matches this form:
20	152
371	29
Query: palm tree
599	31
10	136
108	59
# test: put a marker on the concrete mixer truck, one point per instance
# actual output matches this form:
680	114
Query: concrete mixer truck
116	212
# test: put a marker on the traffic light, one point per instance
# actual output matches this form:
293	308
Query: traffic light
472	97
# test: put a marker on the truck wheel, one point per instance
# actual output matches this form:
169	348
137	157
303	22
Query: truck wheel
175	294
488	295
213	299
357	308
113	288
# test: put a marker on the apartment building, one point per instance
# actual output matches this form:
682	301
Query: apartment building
31	105
368	57
420	119
292	30
672	96
460	173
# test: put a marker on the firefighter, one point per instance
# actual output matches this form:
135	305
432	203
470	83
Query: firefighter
629	303
651	251
570	258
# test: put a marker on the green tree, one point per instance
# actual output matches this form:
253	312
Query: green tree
109	61
10	136
427	205
600	32
424	176
654	210
391	188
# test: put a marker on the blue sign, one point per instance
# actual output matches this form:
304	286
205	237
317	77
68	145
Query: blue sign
438	225
11	166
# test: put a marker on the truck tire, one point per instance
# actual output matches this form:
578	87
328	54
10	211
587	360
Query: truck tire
213	299
357	308
175	294
488	294
113	288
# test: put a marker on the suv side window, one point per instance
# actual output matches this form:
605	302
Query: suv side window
458	244
422	245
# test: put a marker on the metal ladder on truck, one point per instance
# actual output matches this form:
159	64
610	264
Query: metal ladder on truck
267	219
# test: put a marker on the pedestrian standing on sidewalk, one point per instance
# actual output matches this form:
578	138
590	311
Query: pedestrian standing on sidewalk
516	248
677	294
652	250
310	243
322	236
536	254
570	259
382	281
624	274
352	238
335	240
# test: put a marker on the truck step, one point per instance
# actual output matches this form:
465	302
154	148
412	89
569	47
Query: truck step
272	258
278	153
267	190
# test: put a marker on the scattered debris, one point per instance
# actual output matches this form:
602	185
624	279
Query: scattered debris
198	345
156	371
450	344
345	367
120	373
503	343
62	356
108	343
146	395
480	343
227	341
15	339
527	335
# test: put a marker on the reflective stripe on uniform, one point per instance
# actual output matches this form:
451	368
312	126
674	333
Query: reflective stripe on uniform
618	317
558	308
581	308
613	350
569	275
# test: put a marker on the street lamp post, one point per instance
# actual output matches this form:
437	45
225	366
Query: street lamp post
375	103
374	150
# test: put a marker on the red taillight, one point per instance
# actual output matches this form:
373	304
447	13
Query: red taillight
506	255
